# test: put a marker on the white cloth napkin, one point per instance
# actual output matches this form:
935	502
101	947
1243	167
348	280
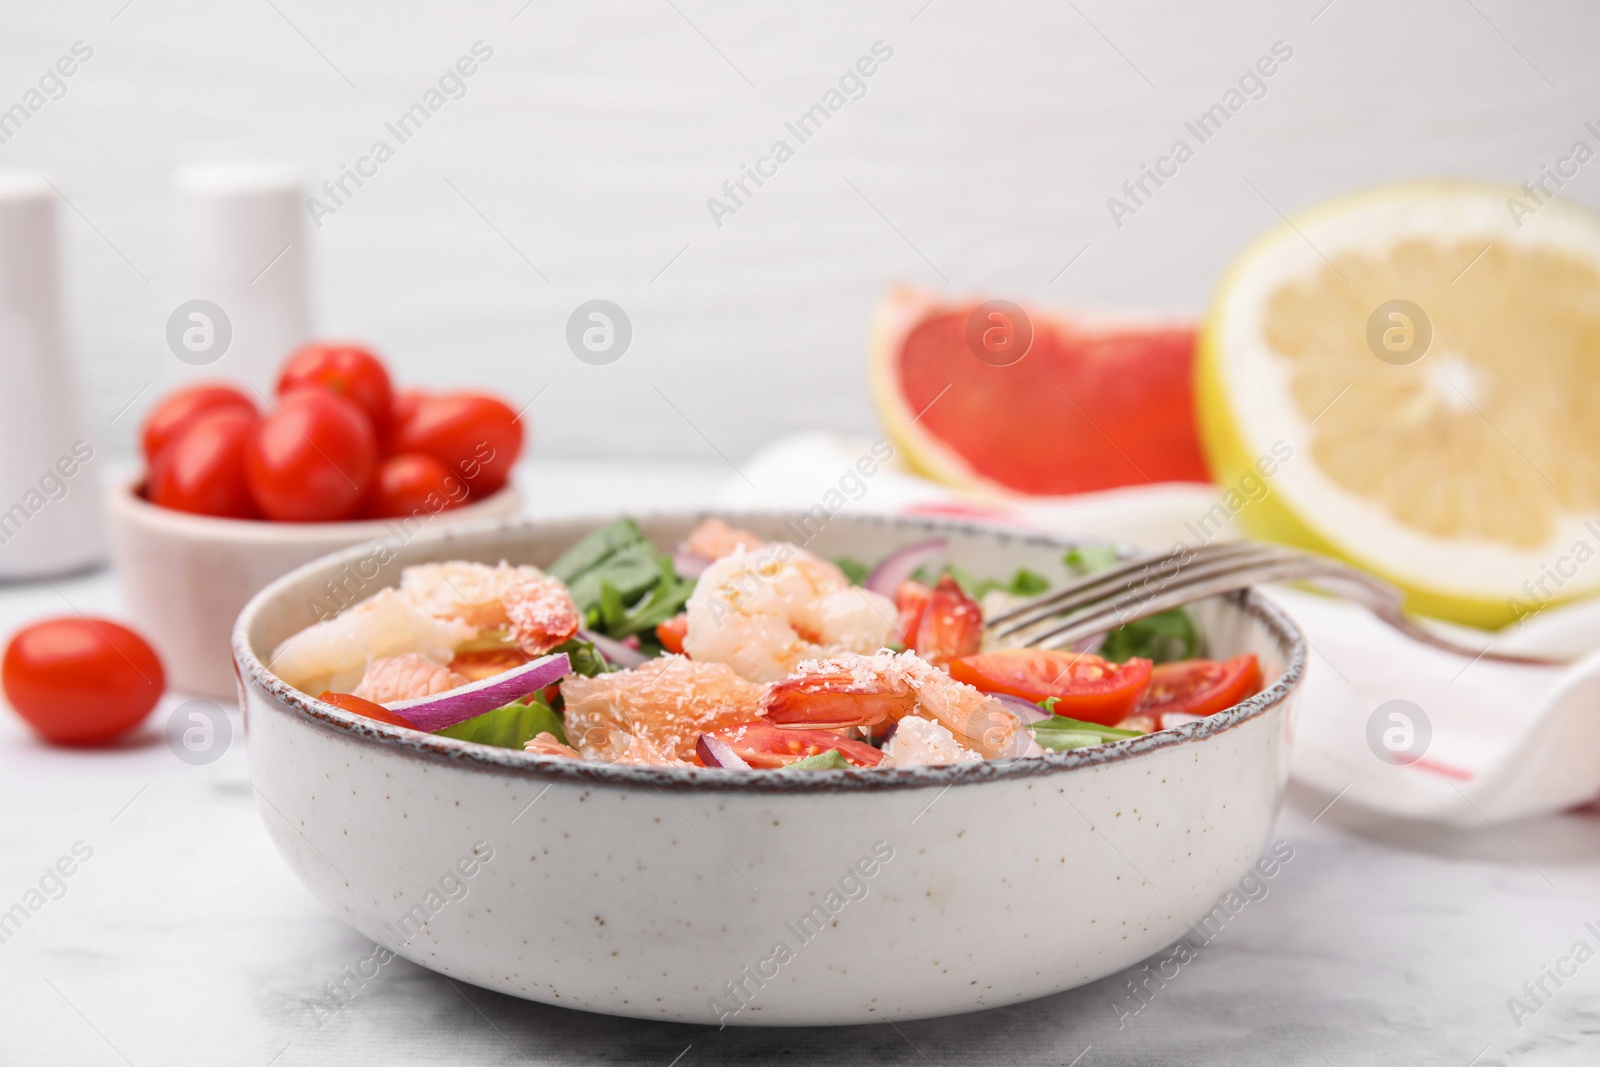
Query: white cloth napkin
1474	741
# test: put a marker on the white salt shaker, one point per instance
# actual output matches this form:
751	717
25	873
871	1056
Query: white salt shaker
49	490
244	257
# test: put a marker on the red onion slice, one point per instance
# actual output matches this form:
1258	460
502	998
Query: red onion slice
460	704
615	652
1026	710
718	753
887	577
689	564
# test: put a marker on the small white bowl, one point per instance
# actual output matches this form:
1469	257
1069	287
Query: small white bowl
185	578
702	896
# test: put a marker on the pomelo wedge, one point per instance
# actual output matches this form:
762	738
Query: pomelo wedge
1454	449
1087	406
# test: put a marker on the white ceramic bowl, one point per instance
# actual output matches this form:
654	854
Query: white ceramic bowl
185	578
765	898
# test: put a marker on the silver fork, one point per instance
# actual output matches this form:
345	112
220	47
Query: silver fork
1142	586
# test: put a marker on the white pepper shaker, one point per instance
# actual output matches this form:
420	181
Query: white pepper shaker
243	264
49	489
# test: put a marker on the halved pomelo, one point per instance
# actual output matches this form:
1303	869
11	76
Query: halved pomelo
1419	367
1087	406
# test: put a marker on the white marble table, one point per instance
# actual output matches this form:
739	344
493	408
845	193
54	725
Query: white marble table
183	938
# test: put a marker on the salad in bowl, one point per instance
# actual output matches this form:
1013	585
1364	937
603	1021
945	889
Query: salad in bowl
734	652
566	708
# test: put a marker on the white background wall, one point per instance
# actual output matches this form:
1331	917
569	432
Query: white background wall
593	137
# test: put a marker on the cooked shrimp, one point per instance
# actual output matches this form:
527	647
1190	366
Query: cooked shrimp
406	677
855	690
764	612
713	539
665	703
334	653
536	608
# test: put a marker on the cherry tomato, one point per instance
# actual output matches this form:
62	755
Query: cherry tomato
910	601
81	681
951	624
1201	686
413	484
201	471
360	706
405	406
313	459
475	436
349	370
761	744
174	413
1089	688
672	632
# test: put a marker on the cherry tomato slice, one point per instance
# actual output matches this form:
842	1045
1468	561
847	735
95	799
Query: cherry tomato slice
672	632
413	484
951	625
313	459
360	706
81	681
177	410
347	369
910	600
477	437
761	744
202	472
1201	686
1088	688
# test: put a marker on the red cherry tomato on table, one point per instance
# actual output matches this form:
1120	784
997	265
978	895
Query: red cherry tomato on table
413	484
80	681
1087	687
1201	686
475	436
313	459
174	413
349	370
202	470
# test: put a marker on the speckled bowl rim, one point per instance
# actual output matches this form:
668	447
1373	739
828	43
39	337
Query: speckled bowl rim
488	759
